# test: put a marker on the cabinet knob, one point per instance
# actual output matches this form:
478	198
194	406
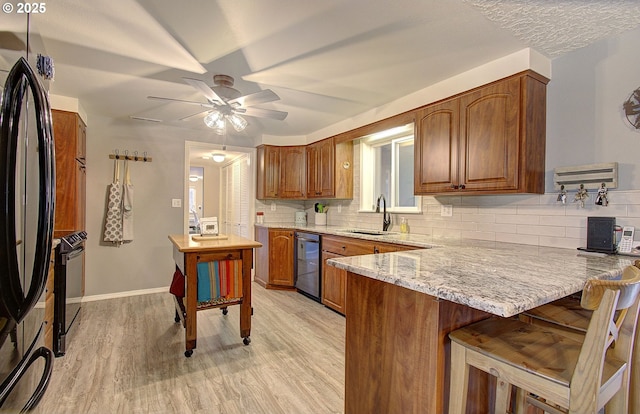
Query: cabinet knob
375	250
455	187
462	187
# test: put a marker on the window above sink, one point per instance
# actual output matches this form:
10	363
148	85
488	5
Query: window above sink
386	164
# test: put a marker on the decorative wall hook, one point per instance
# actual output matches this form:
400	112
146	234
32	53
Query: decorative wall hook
562	196
581	195
135	157
601	199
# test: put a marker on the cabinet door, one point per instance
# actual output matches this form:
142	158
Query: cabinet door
268	172
490	136
81	140
334	284
281	257
436	148
81	193
320	168
70	182
292	172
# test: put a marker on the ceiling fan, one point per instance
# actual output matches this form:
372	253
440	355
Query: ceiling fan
225	103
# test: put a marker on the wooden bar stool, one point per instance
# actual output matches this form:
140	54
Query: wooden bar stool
568	317
565	374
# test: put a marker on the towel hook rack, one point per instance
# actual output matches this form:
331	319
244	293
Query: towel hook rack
135	157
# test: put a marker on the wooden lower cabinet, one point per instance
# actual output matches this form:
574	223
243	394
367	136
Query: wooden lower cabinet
397	350
334	284
274	261
334	280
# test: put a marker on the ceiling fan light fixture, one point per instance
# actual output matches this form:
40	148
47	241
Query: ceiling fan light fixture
213	118
238	122
218	157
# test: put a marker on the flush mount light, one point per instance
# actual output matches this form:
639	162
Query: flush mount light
218	157
194	178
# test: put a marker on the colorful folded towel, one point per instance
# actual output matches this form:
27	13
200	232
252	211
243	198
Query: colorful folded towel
219	280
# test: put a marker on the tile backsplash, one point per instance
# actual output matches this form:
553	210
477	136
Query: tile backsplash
537	220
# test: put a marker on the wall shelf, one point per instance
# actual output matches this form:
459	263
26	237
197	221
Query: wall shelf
591	175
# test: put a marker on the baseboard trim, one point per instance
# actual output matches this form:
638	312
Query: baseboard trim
93	298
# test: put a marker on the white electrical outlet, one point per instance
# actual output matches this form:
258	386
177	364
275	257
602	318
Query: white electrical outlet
339	208
176	202
273	206
446	210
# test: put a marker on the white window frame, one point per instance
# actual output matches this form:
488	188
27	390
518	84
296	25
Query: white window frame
368	173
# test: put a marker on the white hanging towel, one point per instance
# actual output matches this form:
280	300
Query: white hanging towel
113	221
127	205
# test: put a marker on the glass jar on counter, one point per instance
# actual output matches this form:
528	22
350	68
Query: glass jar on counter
260	217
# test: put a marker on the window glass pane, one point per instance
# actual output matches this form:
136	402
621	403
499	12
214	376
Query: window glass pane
405	197
383	168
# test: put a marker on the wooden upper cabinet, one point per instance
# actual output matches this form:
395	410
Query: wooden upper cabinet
268	172
69	134
329	172
292	172
436	148
320	166
489	140
81	142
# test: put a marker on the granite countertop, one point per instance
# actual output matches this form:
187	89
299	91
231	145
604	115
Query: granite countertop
503	279
500	278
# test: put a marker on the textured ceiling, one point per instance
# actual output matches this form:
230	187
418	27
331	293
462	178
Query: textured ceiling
557	27
327	60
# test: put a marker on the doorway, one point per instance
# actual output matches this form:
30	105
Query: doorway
225	188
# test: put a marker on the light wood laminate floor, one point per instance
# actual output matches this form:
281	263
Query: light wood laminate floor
127	356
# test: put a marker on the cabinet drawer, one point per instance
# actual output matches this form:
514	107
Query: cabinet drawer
346	246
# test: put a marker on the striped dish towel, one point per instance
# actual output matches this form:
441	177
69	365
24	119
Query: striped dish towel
220	280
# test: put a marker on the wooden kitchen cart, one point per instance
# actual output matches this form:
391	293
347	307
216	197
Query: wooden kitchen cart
187	253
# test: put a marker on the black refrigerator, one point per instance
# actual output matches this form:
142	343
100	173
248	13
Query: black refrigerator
27	196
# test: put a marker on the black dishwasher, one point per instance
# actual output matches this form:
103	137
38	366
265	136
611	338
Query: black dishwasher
307	264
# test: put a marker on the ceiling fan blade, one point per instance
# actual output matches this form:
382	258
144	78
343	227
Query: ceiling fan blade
204	89
264	113
188	117
264	96
202	104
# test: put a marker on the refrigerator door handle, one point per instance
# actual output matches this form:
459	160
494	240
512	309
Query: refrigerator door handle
14	301
16	374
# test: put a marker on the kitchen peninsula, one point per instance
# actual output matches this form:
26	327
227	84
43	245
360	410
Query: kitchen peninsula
401	307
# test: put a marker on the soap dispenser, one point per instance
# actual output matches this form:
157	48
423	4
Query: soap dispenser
404	226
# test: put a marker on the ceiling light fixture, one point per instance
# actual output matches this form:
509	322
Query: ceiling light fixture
193	178
218	157
216	120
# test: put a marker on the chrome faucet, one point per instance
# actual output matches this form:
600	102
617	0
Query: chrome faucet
386	217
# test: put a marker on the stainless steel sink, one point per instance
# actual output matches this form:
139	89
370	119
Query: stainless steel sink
367	232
